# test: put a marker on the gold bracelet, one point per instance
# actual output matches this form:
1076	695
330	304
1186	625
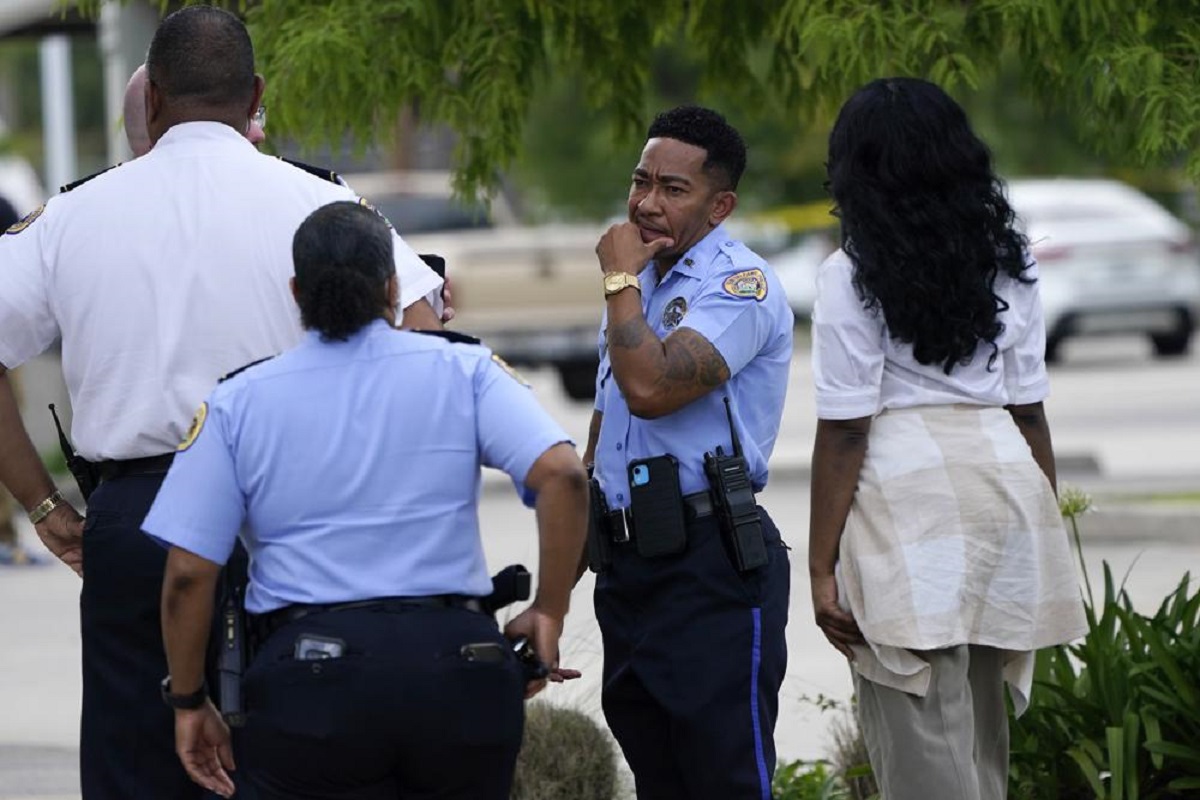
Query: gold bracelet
43	509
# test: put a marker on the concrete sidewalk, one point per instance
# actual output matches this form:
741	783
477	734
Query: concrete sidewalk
39	664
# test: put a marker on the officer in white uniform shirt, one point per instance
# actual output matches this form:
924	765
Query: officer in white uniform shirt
159	276
353	462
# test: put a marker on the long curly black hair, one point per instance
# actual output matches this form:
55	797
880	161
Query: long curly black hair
924	218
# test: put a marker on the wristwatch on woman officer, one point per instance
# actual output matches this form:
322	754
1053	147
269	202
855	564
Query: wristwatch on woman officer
185	702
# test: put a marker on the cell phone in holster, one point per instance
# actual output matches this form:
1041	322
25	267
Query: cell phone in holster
656	505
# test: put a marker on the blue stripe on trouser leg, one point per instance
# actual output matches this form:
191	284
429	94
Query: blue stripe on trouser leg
755	661
677	636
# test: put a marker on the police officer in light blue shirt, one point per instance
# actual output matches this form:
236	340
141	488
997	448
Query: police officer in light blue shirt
353	461
692	589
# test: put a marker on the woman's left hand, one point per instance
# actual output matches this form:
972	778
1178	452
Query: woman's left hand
203	744
838	626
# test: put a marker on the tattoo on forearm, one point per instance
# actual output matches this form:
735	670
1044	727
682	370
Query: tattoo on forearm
629	334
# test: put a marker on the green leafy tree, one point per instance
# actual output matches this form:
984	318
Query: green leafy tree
1126	72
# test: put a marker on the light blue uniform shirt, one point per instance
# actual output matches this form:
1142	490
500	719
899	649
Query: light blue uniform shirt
729	295
355	466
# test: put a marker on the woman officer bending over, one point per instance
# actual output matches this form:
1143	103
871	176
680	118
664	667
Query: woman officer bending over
354	461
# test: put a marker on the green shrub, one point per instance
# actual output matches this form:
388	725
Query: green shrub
806	780
850	758
1116	716
846	776
565	754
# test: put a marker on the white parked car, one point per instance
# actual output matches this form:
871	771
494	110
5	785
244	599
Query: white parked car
796	269
1111	261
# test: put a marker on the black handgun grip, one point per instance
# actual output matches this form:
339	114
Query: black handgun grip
510	585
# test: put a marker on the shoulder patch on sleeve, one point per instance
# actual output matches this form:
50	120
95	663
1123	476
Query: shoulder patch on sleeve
748	283
320	172
512	373
82	181
451	336
243	368
195	428
25	221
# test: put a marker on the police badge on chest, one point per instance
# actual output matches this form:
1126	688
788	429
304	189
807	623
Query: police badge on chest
673	314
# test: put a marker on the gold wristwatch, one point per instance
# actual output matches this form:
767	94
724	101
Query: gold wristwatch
617	281
43	509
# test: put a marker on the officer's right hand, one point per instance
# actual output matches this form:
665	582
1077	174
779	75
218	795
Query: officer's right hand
62	533
544	630
203	744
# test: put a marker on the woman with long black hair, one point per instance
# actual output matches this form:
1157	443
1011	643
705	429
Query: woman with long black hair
938	558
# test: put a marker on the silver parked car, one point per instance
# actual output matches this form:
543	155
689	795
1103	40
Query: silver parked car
1111	260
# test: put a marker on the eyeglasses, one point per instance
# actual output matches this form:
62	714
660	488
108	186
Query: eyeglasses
260	117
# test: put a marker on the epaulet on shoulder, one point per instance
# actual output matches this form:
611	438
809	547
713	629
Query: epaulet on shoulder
242	369
320	172
452	336
82	181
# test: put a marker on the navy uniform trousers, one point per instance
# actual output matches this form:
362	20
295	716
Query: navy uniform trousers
127	737
401	714
694	655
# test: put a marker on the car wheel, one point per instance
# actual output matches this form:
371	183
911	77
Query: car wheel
579	379
1168	345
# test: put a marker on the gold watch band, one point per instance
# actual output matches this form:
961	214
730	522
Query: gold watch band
615	282
43	509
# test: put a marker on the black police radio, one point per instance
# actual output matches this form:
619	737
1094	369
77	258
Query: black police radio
733	502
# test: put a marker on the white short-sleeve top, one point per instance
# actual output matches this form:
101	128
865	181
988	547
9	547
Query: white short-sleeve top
160	276
859	370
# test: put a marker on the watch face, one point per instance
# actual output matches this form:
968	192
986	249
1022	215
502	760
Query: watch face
616	281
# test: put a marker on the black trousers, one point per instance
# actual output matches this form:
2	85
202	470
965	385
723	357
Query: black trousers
694	655
127	737
402	714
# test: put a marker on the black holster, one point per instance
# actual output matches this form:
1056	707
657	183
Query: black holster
599	540
86	475
233	643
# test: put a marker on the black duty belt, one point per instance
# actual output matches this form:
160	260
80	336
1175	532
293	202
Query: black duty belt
274	620
620	522
150	465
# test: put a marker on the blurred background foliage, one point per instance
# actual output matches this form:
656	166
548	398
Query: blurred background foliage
554	95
